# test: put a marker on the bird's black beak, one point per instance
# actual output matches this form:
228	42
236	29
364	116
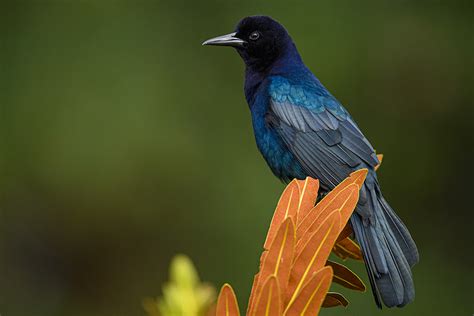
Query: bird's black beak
226	40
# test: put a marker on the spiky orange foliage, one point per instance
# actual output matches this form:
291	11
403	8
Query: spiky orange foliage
380	158
345	277
345	247
269	300
227	302
335	299
295	275
309	299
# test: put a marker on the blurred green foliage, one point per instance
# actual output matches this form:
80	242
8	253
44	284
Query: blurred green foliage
124	142
184	294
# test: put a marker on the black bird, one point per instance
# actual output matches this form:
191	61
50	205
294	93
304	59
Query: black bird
302	130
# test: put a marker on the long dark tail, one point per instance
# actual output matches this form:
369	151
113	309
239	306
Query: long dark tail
388	248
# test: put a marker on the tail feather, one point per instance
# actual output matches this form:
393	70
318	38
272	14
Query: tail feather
372	273
406	242
388	249
405	286
377	246
390	284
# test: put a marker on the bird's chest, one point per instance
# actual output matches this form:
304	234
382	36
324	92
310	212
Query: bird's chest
280	160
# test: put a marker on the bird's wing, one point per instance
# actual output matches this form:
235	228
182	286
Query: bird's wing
318	131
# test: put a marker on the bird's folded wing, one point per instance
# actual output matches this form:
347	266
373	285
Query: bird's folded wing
318	130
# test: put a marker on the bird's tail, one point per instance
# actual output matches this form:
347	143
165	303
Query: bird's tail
388	248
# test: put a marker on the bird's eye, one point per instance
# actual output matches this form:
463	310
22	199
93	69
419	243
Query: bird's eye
254	36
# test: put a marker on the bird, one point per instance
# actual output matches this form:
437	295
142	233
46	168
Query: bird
302	130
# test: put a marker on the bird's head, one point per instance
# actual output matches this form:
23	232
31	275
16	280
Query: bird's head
260	41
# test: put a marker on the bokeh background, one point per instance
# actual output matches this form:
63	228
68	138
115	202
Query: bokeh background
124	142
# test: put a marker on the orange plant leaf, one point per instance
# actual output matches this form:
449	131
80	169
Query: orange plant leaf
279	258
345	201
380	158
314	255
345	277
269	301
334	299
308	190
304	238
309	299
347	248
262	258
336	250
287	207
346	232
348	202
227	302
253	294
356	177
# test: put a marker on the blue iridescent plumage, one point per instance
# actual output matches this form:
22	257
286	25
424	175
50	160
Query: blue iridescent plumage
302	130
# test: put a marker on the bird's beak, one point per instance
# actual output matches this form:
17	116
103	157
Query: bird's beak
226	40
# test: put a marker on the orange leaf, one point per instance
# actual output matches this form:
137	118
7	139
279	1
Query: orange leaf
347	248
345	277
309	299
227	302
356	177
314	255
307	235
380	157
255	285
287	206
269	301
346	232
344	201
336	250
348	202
335	299
308	190
253	294
279	258
262	259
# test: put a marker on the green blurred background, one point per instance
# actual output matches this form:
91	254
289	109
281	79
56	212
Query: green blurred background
123	142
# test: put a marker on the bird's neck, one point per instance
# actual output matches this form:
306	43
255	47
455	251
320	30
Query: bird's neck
287	64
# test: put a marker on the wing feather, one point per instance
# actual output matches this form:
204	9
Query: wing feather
319	131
